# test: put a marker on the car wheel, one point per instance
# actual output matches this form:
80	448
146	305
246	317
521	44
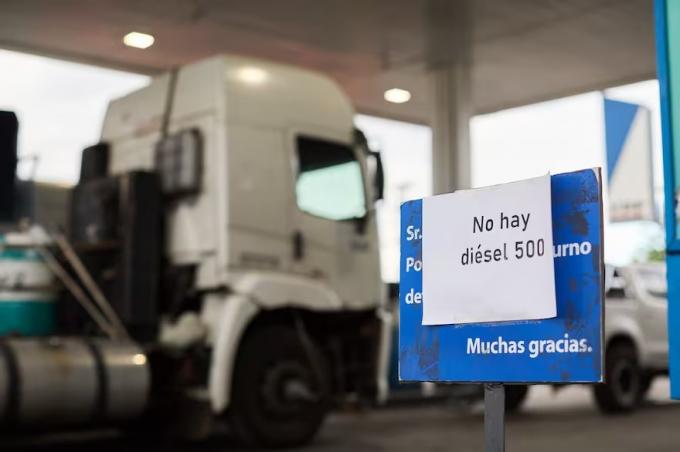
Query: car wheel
515	395
622	388
280	389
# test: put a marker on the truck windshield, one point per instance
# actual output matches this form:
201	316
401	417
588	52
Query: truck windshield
329	182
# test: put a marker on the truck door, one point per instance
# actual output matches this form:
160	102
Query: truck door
333	238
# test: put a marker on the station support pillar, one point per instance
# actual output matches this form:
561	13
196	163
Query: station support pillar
451	158
449	50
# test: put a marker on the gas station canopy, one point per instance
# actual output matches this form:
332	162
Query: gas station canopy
521	51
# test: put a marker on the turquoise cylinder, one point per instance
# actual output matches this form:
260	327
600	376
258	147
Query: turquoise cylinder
27	314
27	296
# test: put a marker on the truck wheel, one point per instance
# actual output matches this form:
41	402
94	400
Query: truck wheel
515	395
621	392
280	389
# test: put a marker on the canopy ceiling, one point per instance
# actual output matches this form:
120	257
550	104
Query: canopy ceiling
522	51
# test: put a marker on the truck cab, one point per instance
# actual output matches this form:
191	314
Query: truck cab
228	214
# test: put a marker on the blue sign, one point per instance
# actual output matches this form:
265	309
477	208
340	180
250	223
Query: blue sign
564	349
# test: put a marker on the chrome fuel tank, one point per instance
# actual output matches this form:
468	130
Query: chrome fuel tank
71	381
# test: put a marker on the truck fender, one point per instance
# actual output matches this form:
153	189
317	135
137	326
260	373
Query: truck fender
275	290
227	317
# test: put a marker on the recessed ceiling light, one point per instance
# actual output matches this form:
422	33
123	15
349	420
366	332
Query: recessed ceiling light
397	95
138	359
252	75
138	40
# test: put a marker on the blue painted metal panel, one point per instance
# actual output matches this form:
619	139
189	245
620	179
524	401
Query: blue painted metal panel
672	242
618	119
666	132
441	353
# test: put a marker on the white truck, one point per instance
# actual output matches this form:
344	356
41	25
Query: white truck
227	219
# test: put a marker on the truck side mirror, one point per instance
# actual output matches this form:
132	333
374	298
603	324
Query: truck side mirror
379	176
179	162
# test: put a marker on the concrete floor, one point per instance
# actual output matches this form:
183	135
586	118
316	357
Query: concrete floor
550	422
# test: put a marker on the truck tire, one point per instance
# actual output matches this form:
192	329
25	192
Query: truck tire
515	395
623	385
280	389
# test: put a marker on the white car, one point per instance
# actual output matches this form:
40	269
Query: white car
636	334
636	337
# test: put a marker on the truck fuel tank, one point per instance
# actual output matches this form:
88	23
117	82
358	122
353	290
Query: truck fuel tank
62	381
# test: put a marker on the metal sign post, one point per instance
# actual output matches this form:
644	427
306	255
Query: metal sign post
494	417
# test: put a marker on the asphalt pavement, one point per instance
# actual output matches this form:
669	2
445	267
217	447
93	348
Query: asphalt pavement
566	420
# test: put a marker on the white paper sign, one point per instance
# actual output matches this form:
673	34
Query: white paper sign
488	254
